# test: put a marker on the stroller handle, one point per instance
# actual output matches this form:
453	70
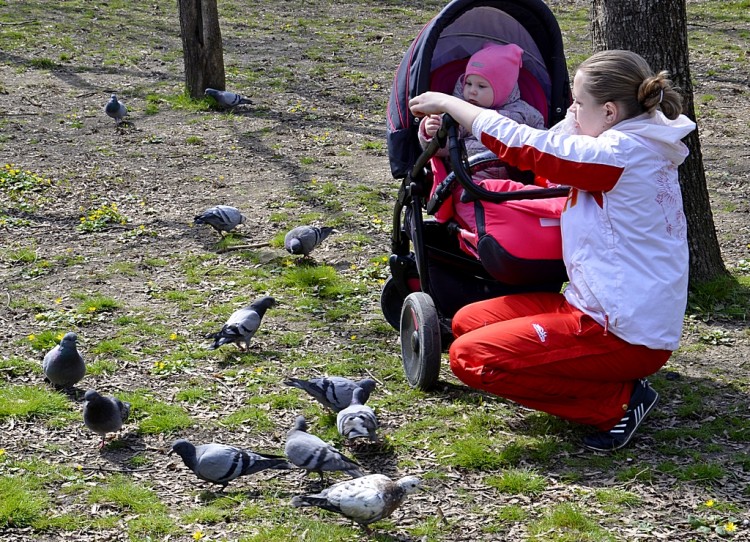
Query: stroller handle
460	165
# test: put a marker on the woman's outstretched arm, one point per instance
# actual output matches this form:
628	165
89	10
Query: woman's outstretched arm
436	103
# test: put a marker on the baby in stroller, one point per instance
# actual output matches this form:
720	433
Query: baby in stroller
489	81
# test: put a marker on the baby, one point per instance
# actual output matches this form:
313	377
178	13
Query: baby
490	81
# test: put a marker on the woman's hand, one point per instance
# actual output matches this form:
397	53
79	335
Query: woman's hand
428	103
436	103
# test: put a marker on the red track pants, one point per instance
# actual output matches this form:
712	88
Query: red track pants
541	352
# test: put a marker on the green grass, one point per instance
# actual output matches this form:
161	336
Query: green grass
22	504
26	402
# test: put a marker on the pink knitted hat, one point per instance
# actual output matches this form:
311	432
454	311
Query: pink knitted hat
499	64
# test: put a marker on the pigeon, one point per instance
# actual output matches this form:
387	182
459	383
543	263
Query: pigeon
227	99
242	325
357	420
363	500
63	365
314	455
303	239
222	218
220	464
333	392
115	109
103	414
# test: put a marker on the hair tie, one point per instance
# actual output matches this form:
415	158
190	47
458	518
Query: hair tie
661	95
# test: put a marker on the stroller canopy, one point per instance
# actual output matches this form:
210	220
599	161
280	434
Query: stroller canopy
459	30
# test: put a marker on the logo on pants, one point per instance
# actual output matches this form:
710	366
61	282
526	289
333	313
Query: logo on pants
540	331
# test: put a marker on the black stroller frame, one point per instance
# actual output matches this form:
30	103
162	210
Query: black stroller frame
423	315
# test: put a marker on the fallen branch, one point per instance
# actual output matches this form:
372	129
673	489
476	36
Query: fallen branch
242	247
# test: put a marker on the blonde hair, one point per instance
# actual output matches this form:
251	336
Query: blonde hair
626	78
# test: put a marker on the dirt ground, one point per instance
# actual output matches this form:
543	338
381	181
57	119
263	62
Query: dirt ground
163	168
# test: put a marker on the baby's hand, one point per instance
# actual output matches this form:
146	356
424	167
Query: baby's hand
432	124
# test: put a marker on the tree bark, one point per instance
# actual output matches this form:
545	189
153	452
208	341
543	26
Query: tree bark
657	30
201	46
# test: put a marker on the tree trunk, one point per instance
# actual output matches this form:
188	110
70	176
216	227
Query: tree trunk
657	30
201	46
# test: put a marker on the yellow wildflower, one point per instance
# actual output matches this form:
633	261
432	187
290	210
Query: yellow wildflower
173	337
92	309
730	527
710	503
58	300
197	535
2	452
32	337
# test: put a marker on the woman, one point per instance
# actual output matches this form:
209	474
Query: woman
582	355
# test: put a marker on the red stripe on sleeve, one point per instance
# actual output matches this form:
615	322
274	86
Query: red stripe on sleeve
587	176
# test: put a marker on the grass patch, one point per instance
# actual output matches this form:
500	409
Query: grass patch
22	504
24	402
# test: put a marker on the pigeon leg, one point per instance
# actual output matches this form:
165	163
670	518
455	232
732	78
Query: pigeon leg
102	443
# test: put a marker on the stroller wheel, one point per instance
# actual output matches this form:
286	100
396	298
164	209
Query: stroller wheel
420	341
391	302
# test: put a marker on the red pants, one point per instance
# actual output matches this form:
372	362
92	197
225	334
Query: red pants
539	351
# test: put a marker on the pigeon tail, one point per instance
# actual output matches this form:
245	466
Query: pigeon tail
314	500
325	231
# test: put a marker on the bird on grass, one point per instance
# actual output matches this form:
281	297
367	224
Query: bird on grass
363	500
115	109
333	392
242	325
227	99
220	464
314	455
63	365
357	420
104	414
303	239
222	218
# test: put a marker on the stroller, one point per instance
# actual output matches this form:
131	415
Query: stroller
449	266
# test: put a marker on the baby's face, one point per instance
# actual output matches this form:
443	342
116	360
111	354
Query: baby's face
477	91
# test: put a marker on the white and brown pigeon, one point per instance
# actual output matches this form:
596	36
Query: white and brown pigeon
363	500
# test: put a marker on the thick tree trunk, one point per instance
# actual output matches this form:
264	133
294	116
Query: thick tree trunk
201	46
657	30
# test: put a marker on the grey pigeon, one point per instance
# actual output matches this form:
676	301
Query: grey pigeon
333	392
222	218
303	239
227	99
242	324
314	455
220	464
357	420
364	500
63	365
115	109
104	414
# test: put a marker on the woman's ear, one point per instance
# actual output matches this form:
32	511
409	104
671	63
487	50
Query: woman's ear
611	113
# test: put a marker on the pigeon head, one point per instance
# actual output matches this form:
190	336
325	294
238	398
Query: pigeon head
183	448
410	484
300	424
69	340
261	305
295	246
368	384
91	395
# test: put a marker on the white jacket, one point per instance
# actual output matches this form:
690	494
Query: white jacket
623	227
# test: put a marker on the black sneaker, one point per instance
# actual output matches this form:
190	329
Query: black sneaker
642	400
